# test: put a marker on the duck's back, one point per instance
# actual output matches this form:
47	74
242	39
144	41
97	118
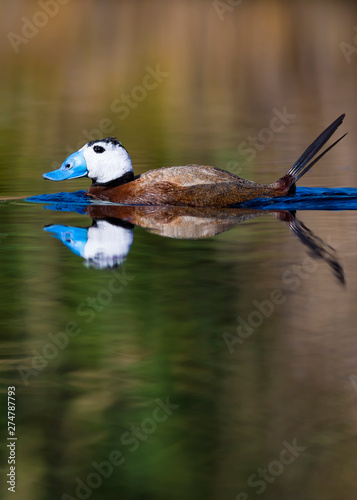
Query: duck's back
190	175
189	185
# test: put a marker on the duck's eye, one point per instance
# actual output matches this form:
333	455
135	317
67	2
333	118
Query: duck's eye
98	149
68	238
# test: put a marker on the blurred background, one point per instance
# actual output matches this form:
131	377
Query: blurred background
178	82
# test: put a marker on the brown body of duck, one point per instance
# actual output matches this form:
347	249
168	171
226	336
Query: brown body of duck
109	166
189	185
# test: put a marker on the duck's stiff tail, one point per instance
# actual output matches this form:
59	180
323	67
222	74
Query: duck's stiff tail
286	184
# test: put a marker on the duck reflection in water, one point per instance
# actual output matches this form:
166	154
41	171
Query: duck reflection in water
104	245
107	242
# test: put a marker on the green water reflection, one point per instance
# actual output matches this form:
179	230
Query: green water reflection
156	330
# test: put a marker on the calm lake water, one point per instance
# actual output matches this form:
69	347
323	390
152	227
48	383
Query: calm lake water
218	360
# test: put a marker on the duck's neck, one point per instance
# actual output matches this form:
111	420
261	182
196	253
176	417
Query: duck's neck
124	179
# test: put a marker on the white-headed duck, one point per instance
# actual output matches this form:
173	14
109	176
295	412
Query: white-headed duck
109	166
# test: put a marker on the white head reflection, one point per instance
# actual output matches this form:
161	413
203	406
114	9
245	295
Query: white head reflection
104	245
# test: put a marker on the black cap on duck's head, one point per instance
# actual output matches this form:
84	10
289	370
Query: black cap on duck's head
103	161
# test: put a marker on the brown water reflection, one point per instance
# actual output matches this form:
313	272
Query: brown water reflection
163	335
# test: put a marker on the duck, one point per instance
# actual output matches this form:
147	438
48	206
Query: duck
108	164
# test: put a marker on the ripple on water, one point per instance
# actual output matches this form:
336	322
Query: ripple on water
304	199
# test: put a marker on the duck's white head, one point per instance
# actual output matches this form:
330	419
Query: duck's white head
103	161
